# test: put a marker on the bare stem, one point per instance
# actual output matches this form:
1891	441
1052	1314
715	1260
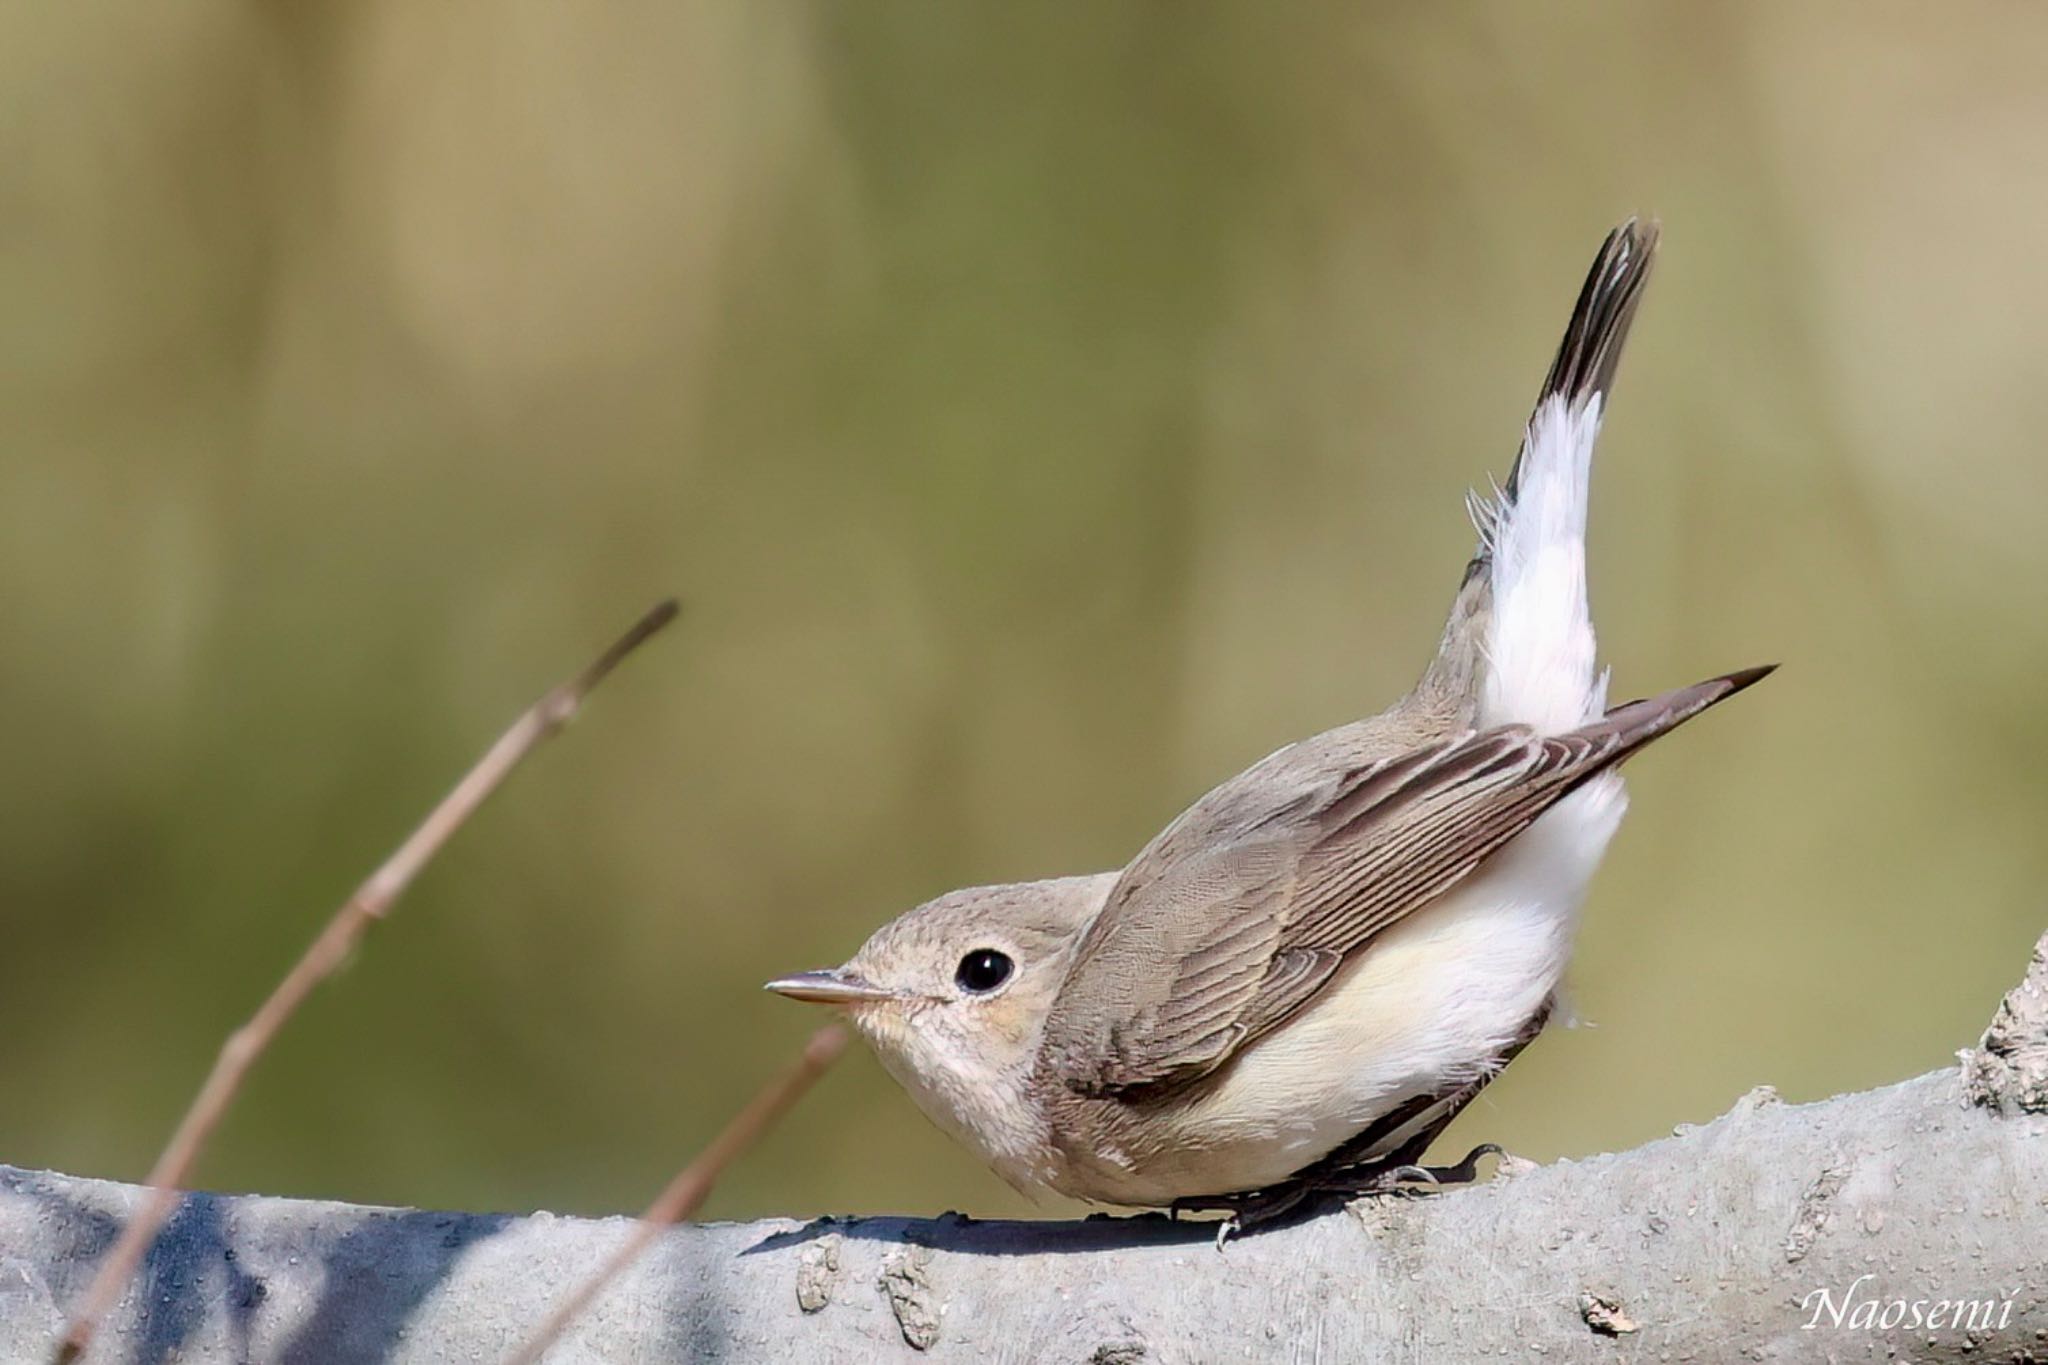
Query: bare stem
690	1186
371	901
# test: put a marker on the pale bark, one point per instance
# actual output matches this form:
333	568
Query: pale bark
1708	1246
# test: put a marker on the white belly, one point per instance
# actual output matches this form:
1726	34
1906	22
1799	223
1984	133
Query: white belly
1428	1006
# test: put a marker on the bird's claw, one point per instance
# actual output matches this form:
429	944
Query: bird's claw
1466	1171
1251	1208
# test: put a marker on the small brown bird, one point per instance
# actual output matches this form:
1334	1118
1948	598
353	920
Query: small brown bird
1302	979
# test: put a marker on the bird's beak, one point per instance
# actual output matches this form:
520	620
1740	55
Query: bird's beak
835	987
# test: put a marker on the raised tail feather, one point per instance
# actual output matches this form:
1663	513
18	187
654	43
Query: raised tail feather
1539	643
1589	354
1519	647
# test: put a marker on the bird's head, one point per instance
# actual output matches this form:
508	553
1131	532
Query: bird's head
953	996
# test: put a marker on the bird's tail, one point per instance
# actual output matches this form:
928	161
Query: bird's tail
1520	635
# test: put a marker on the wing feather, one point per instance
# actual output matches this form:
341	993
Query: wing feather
1205	945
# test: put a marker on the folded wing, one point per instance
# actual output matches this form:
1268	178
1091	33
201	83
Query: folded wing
1199	951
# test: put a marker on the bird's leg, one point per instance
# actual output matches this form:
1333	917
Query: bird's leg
1400	1138
1346	1175
1247	1208
1393	1177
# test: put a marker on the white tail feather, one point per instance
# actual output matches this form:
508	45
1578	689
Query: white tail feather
1540	648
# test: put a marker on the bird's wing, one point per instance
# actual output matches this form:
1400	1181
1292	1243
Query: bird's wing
1200	950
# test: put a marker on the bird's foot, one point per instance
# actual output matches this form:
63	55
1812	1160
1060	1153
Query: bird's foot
1251	1208
1405	1178
1245	1209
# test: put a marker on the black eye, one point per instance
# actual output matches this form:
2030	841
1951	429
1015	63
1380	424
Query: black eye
982	970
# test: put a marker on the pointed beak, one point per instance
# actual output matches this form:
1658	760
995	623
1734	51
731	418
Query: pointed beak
835	987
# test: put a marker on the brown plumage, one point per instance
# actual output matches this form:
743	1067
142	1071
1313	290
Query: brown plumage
1224	927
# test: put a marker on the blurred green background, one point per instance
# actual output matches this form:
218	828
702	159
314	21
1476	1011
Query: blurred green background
1044	411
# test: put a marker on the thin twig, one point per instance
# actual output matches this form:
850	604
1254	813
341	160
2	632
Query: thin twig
371	901
688	1190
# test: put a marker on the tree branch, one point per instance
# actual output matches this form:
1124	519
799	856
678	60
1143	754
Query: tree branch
322	958
686	1193
1776	1232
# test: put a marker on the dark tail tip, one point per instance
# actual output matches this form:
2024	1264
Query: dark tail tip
1591	349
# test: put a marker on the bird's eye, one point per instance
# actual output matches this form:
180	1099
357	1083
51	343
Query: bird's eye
982	970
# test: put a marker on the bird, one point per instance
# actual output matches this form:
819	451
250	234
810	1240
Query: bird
1296	985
